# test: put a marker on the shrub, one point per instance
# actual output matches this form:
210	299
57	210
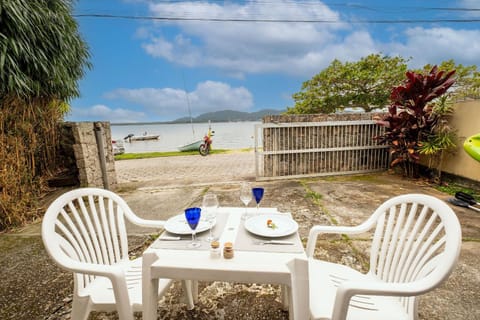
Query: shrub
411	121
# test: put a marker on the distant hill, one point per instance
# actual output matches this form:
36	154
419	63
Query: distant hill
229	115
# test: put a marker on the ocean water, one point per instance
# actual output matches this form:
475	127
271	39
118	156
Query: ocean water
228	135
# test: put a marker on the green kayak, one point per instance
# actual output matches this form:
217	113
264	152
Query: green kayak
472	146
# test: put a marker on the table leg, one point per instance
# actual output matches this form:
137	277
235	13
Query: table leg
149	287
299	296
285	294
187	287
195	290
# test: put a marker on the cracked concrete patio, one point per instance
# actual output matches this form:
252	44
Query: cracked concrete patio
32	287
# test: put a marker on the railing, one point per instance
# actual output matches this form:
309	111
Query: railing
306	149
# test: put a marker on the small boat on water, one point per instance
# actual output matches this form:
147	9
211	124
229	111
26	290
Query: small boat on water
194	146
131	137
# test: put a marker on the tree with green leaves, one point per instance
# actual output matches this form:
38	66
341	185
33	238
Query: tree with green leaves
365	84
467	80
42	57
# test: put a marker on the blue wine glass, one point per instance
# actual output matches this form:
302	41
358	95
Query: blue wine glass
193	218
258	195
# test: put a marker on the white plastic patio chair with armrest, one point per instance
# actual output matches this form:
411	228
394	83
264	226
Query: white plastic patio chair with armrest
415	247
84	232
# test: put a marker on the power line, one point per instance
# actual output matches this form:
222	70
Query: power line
325	21
332	4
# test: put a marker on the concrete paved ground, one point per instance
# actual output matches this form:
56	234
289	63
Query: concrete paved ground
163	187
187	170
345	200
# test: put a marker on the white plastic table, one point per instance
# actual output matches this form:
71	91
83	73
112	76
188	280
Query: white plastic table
287	269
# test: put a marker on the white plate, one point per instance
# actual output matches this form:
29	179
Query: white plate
284	225
178	225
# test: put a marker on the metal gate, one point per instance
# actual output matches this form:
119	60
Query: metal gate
306	149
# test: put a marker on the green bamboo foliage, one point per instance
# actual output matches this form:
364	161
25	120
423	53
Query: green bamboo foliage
41	51
27	153
42	56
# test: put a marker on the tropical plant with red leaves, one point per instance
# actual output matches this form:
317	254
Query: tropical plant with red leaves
411	119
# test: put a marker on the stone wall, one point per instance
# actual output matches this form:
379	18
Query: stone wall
94	157
289	118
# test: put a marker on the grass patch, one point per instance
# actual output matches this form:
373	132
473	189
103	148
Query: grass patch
317	199
470	239
453	188
146	155
125	189
204	192
358	177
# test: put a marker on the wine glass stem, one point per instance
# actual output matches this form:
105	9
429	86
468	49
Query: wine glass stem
194	237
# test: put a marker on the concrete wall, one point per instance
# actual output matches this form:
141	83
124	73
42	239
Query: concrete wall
466	119
88	154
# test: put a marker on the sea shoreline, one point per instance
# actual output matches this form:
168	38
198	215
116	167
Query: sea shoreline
145	155
227	135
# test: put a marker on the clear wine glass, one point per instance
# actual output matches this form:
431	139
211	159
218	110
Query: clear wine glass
258	195
193	218
210	206
245	196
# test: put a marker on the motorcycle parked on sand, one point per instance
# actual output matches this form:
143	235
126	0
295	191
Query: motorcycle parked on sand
206	146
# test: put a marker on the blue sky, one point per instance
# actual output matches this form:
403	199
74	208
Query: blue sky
153	70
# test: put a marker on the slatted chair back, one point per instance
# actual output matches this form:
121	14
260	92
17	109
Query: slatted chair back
86	225
417	239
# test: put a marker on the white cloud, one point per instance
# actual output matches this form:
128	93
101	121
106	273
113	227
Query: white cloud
240	48
247	47
438	44
101	112
207	96
161	48
211	96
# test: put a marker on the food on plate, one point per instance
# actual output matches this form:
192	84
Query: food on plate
270	224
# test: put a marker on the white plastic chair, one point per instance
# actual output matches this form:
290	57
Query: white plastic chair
84	231
415	247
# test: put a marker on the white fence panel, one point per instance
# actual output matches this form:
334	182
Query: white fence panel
306	149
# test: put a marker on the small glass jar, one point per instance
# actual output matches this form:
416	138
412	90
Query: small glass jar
215	251
228	250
